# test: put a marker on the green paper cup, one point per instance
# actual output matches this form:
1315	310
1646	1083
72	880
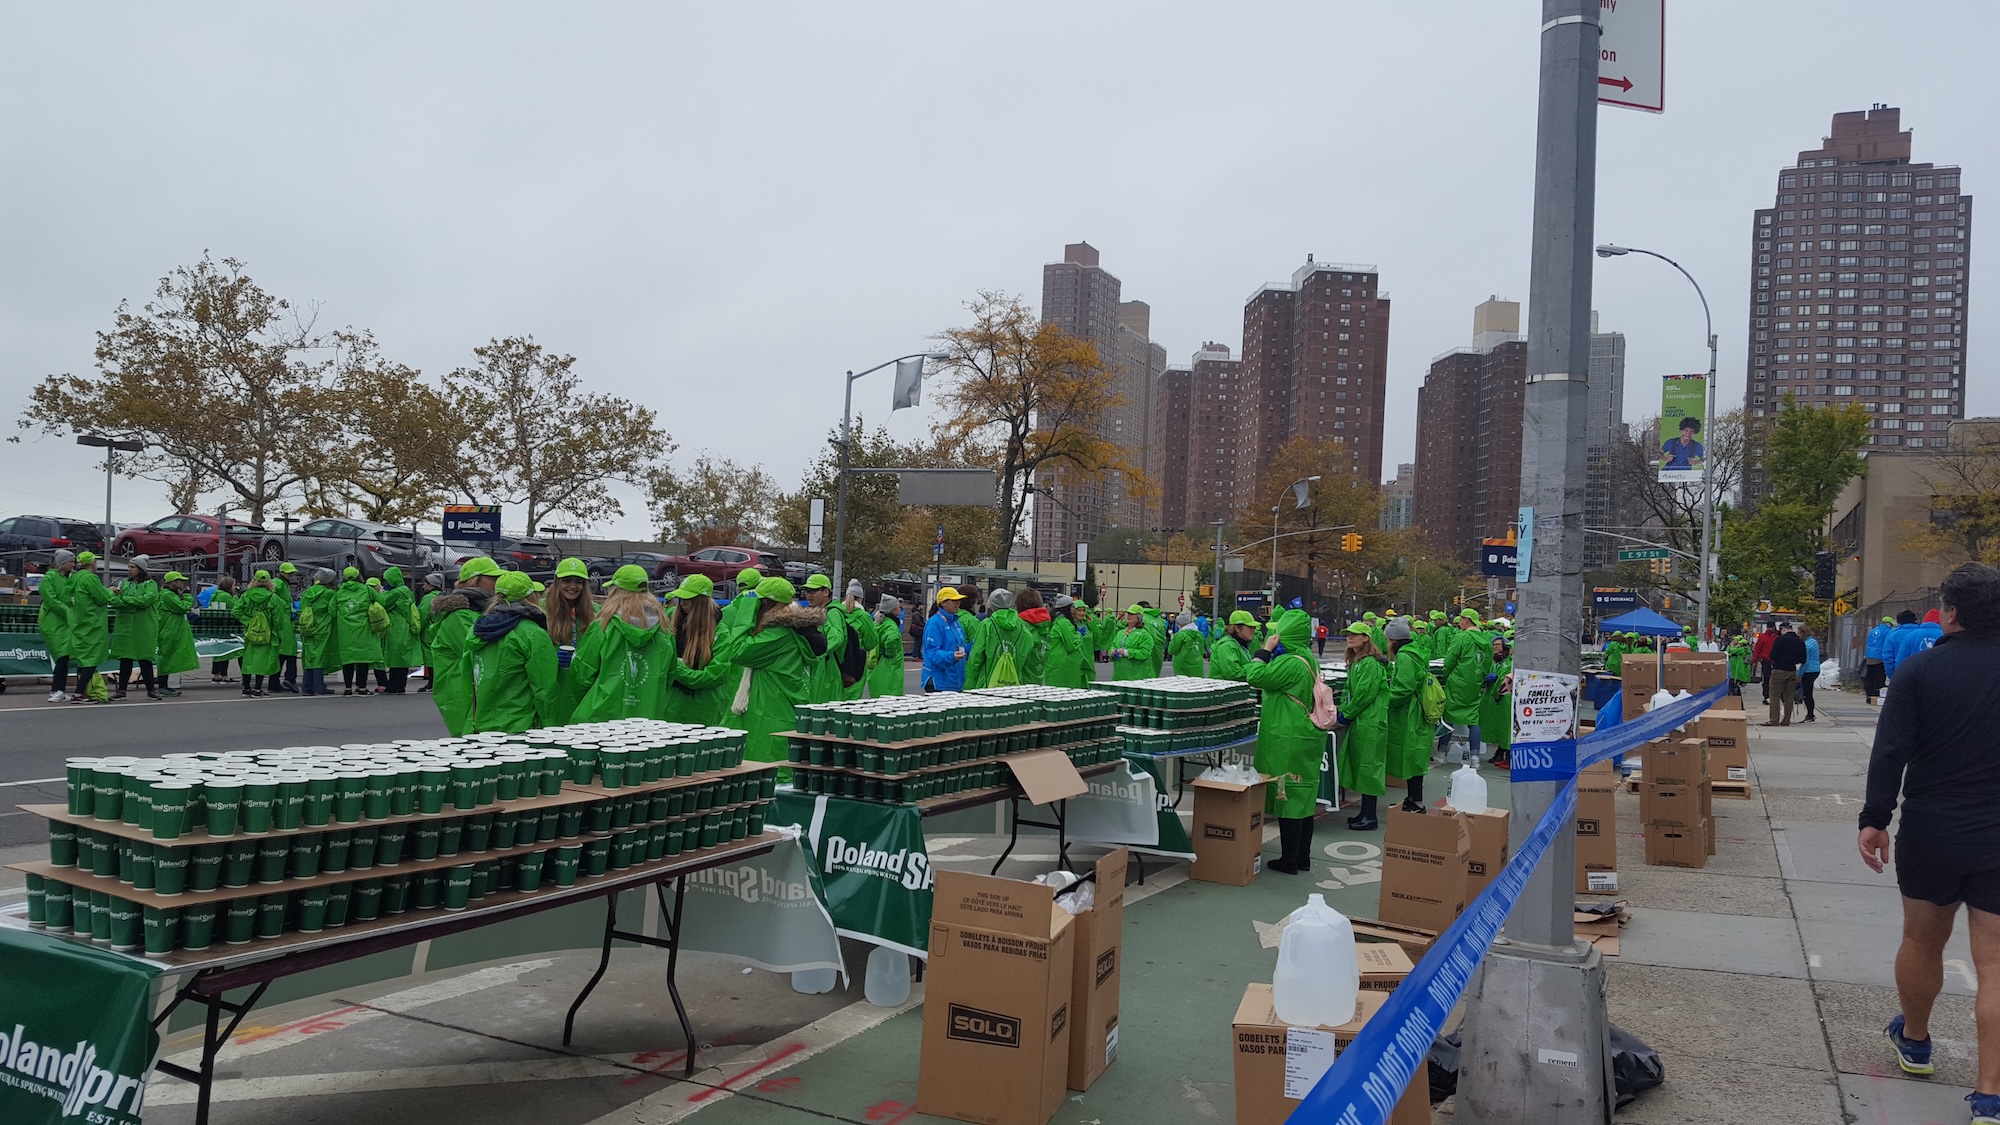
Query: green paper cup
547	823
582	765
434	783
124	852
306	851
62	844
569	822
107	784
621	813
239	862
379	795
170	870
366	904
621	850
568	861
198	925
396	893
311	907
339	896
81	785
425	837
508	787
451	837
465	785
484	877
271	910
139	865
426	889
711	829
321	786
260	799
127	924
289	811
274	858
489	782
361	849
506	832
528	871
160	927
596	855
662	806
478	833
739	823
392	843
336	850
222	801
754	822
676	839
91	919
597	816
59	901
38	901
349	796
170	807
611	766
204	867
684	762
239	920
403	795
655	841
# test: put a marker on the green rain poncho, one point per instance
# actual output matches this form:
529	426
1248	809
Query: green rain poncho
316	632
1289	747
1004	633
1420	643
1186	651
425	623
778	657
1740	668
134	636
252	604
629	671
1496	707
885	665
1228	660
824	670
399	645
741	611
453	614
1409	739
284	628
1465	667
53	616
1156	624
89	635
176	652
1137	663
513	666
1068	661
357	643
1614	656
864	634
702	695
1364	745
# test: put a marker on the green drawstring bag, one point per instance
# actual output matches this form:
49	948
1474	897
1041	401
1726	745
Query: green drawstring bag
258	631
378	619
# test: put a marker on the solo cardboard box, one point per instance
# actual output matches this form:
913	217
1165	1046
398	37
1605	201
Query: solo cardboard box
1277	1065
1488	831
1228	832
1680	806
997	1002
1694	671
1674	761
1729	765
1597	830
1728	738
1641	675
1727	703
1093	994
1425	867
1383	965
1673	846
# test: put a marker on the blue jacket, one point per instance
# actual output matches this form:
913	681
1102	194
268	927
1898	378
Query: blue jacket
1909	640
943	635
1812	655
1878	642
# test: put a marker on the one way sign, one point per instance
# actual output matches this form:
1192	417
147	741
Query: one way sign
1631	58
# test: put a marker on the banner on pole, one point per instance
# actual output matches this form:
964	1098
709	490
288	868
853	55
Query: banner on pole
76	1037
1683	428
1172	839
872	864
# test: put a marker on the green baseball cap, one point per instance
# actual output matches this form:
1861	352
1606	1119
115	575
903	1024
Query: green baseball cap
1242	617
629	577
479	567
540	589
375	582
287	568
514	585
693	586
1438	615
748	577
1360	629
1468	615
350	572
1135	607
572	568
775	589
85	558
818	582
174	576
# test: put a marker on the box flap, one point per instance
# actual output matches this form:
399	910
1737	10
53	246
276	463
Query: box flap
1256	1006
1111	879
1226	786
1382	957
1256	1010
1046	775
987	903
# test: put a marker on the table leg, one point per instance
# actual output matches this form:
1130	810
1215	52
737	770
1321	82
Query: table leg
1013	834
1062	836
673	920
213	1037
603	963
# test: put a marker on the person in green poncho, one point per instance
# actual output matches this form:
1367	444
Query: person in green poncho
399	645
625	662
1035	618
1101	632
1467	658
433	586
319	651
285	585
1070	661
513	662
1187	649
1001	648
741	612
1408	753
1741	670
52	618
885	664
1132	649
567	605
380	625
360	646
90	638
1364	711
258	610
1420	637
703	676
855	618
776	654
825	669
1230	658
1289	747
176	637
135	636
1375	632
1156	624
1615	651
1496	704
453	614
970	621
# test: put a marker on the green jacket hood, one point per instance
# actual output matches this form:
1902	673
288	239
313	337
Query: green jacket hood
392	577
633	635
1006	620
1295	630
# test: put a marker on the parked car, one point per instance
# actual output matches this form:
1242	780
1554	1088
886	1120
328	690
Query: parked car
187	536
33	540
798	570
721	563
364	545
438	554
522	553
657	564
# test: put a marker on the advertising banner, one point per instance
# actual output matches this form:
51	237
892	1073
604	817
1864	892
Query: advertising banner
767	910
76	1037
1122	807
872	863
1683	428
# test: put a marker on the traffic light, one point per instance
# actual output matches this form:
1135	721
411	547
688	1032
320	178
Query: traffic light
1350	542
1823	575
1204	591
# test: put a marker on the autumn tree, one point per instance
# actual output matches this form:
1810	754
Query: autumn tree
542	443
1339	499
402	449
884	535
1032	398
224	383
714	501
1809	455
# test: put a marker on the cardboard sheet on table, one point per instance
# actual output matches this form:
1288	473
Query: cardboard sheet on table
1046	775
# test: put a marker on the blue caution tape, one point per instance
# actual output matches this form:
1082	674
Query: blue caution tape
1365	1082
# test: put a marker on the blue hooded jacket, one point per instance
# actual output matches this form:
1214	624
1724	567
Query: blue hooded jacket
943	635
1878	642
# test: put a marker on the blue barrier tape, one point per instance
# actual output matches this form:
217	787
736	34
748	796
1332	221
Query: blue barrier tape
1365	1082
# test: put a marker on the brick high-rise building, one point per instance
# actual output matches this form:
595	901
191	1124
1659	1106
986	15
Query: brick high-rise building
1133	423
1315	365
1173	413
1468	469
1858	286
1601	507
1204	467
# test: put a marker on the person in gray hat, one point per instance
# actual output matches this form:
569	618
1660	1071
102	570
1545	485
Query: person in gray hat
53	620
885	663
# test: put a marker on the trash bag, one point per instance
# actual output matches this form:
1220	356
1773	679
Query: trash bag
1635	1066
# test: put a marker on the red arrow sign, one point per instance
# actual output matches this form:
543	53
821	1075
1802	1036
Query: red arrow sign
1624	84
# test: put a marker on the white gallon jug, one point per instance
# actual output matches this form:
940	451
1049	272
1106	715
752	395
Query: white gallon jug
1318	978
1468	790
888	982
812	982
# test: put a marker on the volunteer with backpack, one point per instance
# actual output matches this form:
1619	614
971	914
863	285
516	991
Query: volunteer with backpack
625	662
776	654
399	644
859	654
89	635
320	653
1001	646
824	671
134	635
287	679
1230	658
1035	619
1186	649
358	627
885	664
1289	747
1466	662
1408	752
52	619
704	679
1132	649
176	637
513	661
1496	704
258	610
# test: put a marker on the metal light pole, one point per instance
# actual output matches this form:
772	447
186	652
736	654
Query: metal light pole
1707	474
1539	996
1274	538
1215	591
111	447
846	451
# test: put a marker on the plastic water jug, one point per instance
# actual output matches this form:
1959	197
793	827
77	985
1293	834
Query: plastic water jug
812	982
888	982
1468	790
1660	699
1318	978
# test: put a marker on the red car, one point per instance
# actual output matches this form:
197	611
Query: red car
720	563
186	535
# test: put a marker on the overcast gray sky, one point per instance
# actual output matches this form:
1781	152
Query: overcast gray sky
719	208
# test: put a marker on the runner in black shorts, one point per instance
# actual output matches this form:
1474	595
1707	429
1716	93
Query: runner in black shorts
1934	749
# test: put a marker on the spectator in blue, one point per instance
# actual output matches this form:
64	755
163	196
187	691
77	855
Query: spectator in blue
944	644
1809	673
1892	646
1923	636
1874	669
1610	714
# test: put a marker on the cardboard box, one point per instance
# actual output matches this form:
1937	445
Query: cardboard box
1728	703
1228	832
1640	673
1729	765
1276	1065
1695	671
1414	941
1671	846
1489	849
1597	830
1093	994
1674	761
1723	732
997	1002
1383	965
1681	806
1425	864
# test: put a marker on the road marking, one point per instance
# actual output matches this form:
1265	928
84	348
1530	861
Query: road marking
562	1068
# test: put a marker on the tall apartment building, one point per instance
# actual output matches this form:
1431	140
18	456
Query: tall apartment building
1315	365
1132	424
1858	286
1204	464
1173	415
1399	499
1601	505
1468	468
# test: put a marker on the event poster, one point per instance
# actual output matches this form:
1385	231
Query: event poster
874	868
1683	428
1545	706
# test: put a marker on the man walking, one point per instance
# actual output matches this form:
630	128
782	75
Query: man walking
1933	748
1760	653
1782	681
1873	672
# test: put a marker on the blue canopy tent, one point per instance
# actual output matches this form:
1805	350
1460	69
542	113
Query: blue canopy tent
1642	621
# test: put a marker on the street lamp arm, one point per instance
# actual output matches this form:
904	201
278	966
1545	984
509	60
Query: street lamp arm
1308	531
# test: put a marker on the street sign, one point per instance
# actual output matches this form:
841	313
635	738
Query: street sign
815	523
1496	558
1641	554
479	523
1611	599
1631	56
1249	599
1524	544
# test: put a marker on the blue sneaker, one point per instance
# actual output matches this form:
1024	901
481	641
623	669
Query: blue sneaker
1985	1108
1914	1056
